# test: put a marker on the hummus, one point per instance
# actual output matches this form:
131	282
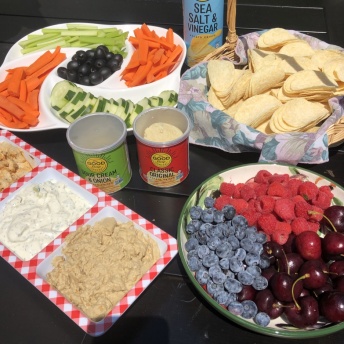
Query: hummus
13	164
162	132
100	264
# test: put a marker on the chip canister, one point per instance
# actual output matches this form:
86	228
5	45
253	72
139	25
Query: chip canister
163	163
100	150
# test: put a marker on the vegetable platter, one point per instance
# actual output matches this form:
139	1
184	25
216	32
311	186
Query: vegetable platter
114	89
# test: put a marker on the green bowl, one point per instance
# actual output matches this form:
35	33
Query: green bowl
277	327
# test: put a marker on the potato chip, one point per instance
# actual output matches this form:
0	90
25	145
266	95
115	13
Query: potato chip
257	109
226	92
275	38
220	73
214	100
265	127
297	48
320	57
265	79
231	111
335	68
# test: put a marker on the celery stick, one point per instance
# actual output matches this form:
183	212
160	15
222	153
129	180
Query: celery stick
62	43
97	40
81	26
79	33
37	38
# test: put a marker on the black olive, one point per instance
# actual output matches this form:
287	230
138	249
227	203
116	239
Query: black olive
75	57
72	75
99	63
119	57
113	63
85	80
72	65
82	57
105	72
96	78
99	54
109	55
84	69
104	48
90	53
62	72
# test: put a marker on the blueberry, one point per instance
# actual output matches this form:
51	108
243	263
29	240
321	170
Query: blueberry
219	277
223	250
209	202
202	251
264	261
250	309
195	212
262	319
235	243
252	259
232	285
239	221
261	237
240	254
214	269
192	253
218	216
208	215
222	229
213	242
236	265
194	263
213	289
190	228
245	278
260	283
254	270
210	260
235	307
222	297
247	244
202	276
240	233
224	263
228	211
201	237
257	248
191	244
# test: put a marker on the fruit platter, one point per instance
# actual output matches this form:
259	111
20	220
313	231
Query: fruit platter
57	74
262	244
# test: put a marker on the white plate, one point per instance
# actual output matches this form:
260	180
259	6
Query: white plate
113	87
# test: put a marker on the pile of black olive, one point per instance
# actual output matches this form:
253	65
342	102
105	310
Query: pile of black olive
91	67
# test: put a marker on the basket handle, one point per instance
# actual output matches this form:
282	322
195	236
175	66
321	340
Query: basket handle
231	20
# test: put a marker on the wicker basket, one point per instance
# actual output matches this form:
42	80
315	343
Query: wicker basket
335	132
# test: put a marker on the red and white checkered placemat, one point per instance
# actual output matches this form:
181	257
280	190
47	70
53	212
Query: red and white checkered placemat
28	269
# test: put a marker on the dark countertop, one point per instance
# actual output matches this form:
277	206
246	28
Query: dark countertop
170	310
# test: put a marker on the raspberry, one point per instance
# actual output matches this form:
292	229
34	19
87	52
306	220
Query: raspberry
298	198
281	234
301	209
267	223
284	209
308	190
221	201
279	178
313	226
251	216
326	189
261	189
247	192
293	186
265	204
299	225
236	193
239	204
227	188
323	200
262	176
315	213
277	189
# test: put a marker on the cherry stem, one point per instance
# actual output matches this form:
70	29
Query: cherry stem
292	289
328	220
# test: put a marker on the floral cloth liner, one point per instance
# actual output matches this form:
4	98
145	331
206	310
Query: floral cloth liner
214	128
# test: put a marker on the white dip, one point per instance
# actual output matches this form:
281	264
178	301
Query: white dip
37	215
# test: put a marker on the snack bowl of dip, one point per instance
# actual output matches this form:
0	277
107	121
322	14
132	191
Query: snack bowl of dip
39	211
109	259
162	137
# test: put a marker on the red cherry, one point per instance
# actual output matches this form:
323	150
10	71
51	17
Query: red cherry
308	244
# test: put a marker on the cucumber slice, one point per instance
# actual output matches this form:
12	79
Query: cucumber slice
169	98
81	108
70	106
100	106
155	101
111	106
123	108
63	92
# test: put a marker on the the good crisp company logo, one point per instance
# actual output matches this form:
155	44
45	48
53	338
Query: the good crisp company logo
96	164
161	159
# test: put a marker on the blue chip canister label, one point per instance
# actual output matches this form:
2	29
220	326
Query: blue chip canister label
203	28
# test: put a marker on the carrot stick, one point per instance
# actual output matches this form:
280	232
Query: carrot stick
24	106
32	83
169	36
157	56
11	107
4	84
22	90
143	51
145	29
5	114
141	74
44	59
50	65
32	98
14	84
30	120
175	54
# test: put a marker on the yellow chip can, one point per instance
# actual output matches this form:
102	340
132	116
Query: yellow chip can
203	28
